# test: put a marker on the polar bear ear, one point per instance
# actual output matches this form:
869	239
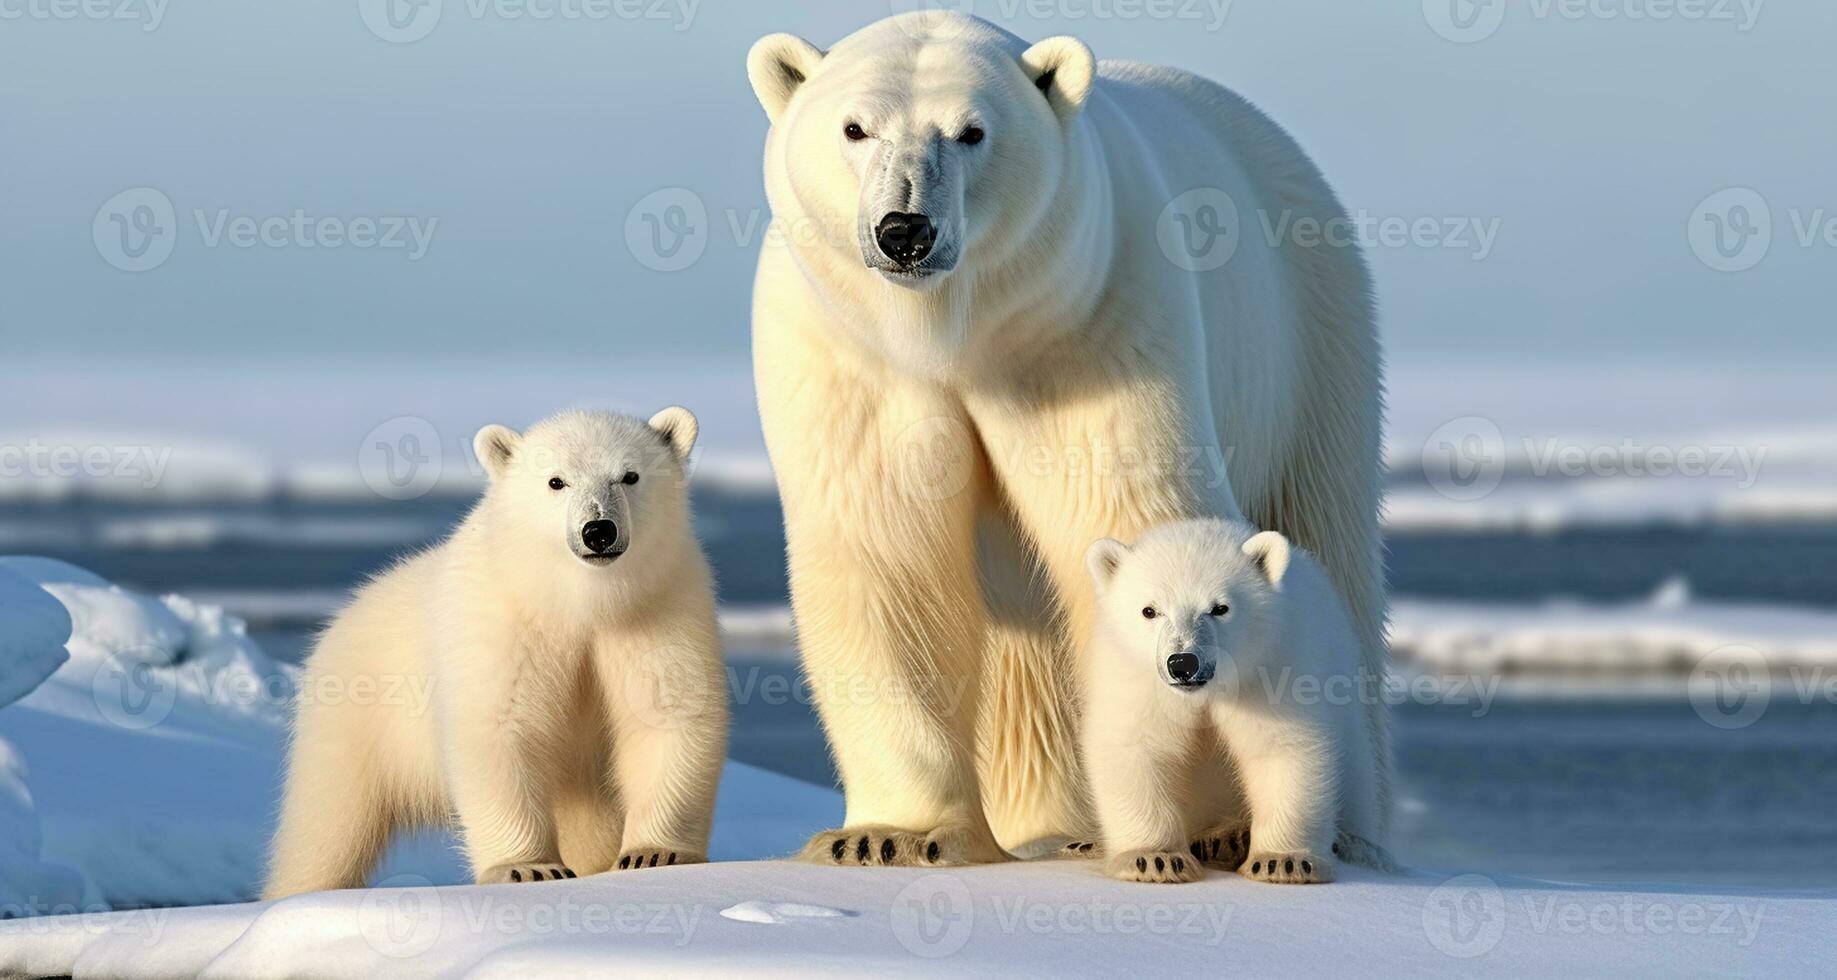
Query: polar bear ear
677	426
1063	69
1103	558
495	445
1270	551
777	65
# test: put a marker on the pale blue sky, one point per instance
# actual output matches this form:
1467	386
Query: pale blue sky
1590	141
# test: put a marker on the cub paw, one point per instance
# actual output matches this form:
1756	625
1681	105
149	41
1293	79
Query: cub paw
655	857
1223	847
1291	868
881	846
500	874
1159	867
1081	849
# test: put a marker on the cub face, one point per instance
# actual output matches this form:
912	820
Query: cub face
1189	599
917	141
590	486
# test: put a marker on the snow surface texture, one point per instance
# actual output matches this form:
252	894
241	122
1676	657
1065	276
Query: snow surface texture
1046	918
150	756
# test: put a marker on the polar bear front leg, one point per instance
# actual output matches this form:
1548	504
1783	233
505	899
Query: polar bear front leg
1288	763
1134	760
880	479
667	707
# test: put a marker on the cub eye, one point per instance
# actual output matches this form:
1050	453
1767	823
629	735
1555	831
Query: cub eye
629	478
1220	609
854	132
557	483
971	136
1148	612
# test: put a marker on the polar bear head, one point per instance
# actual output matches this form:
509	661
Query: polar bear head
917	144
591	485
1189	596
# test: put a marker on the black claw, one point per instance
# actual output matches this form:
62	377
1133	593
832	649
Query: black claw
931	851
569	872
1160	865
1288	866
625	862
516	875
654	860
1256	868
1307	867
672	857
535	874
1179	865
861	849
1199	850
1086	848
838	847
1141	864
1336	849
887	850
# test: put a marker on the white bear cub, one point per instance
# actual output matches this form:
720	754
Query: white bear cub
1213	638
573	716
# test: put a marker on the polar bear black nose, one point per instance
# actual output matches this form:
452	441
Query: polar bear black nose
1183	666
599	536
905	238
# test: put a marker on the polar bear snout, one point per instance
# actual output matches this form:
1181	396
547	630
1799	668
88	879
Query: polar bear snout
905	238
602	538
1189	669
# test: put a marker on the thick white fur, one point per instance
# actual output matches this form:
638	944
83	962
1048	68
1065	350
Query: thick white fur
577	717
948	446
1283	702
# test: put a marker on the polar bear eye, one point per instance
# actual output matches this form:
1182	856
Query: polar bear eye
1148	612
1220	610
629	478
557	483
971	136
854	132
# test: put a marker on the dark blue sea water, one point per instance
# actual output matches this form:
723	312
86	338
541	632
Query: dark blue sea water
1596	788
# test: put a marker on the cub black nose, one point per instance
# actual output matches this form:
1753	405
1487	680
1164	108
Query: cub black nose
905	238
1183	667
599	536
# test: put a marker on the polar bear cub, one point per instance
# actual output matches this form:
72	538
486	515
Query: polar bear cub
1213	638
574	716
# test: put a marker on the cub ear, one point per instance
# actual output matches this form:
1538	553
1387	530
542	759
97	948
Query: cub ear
677	426
495	445
1270	551
1062	68
1103	558
777	65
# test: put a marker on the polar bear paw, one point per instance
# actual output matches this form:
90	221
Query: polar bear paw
883	846
1224	846
1286	868
655	857
1158	867
1081	849
500	874
1357	850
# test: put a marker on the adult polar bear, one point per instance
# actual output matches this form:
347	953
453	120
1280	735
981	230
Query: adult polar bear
976	354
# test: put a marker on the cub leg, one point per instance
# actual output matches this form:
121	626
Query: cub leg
1288	764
